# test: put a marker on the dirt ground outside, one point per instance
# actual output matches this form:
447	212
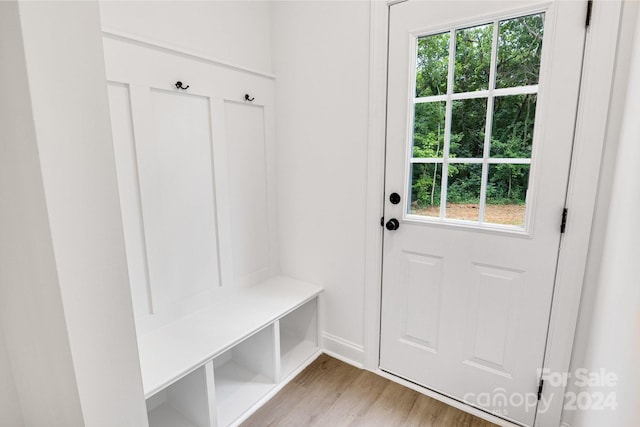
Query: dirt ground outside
496	214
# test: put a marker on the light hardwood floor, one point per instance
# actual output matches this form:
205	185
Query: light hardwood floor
333	393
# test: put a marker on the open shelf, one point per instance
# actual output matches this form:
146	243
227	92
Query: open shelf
243	375
166	416
213	367
186	403
298	337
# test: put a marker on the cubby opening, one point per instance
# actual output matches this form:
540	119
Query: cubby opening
189	402
244	374
298	336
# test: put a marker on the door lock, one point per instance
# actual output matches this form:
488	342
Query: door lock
394	198
392	224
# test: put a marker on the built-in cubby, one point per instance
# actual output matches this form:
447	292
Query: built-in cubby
298	336
244	374
188	402
215	367
218	332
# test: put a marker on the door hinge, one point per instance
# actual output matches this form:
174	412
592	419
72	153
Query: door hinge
563	224
540	388
589	10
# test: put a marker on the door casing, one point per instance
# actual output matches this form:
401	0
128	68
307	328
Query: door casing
597	76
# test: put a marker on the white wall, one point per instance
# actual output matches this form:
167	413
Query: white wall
30	302
238	32
64	295
610	314
321	60
10	412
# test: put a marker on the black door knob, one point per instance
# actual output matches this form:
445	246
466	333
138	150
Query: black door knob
392	224
394	198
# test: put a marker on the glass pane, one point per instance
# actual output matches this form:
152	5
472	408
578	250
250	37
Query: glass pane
463	193
473	58
468	119
428	129
512	130
507	194
519	50
426	181
432	65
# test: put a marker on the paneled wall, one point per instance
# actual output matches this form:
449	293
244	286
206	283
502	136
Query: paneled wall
321	135
195	175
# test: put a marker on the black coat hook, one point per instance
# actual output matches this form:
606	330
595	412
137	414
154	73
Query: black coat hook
248	98
179	86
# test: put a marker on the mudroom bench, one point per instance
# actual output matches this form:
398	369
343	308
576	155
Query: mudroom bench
214	367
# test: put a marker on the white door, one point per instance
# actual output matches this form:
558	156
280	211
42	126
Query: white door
486	91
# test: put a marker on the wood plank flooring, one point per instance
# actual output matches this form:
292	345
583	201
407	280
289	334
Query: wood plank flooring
332	393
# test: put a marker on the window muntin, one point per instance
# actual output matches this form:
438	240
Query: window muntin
478	125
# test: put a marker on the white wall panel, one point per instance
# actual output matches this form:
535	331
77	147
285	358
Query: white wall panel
245	130
196	177
129	186
176	188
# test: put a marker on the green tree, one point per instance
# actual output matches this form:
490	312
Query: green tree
518	64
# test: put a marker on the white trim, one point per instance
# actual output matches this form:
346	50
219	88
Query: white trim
447	26
585	170
591	123
222	199
139	105
448	118
342	349
457	224
342	358
375	181
488	124
478	160
147	42
505	91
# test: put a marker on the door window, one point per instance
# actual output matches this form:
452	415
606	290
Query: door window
473	116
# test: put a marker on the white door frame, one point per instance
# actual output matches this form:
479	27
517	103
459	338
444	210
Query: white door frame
595	88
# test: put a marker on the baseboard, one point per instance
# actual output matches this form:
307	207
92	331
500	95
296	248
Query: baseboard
343	350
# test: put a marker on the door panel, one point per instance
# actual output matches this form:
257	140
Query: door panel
467	291
493	318
422	300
